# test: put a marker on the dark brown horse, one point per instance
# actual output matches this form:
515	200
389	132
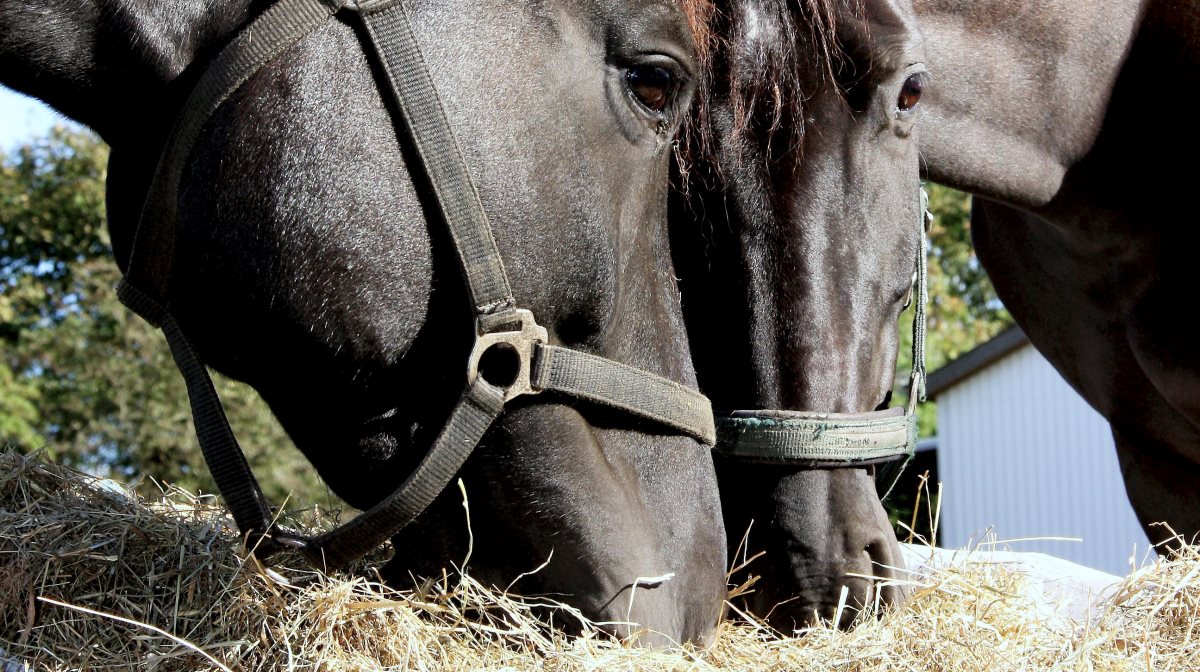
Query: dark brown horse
796	240
1066	112
311	261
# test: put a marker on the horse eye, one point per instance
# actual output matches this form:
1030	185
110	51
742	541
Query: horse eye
651	85
910	93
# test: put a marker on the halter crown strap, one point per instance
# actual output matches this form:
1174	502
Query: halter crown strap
838	439
544	367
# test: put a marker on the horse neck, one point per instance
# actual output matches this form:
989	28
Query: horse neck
107	63
1026	82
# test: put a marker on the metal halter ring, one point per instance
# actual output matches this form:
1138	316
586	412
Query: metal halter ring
513	331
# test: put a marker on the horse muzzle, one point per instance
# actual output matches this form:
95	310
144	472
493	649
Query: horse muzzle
802	592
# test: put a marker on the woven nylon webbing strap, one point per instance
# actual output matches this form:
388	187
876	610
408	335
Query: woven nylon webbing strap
249	506
839	439
614	384
478	407
555	368
222	453
818	439
421	109
146	287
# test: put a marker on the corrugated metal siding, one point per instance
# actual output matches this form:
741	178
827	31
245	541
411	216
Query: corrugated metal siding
1020	452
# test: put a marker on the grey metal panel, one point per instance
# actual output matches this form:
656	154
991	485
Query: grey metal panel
970	362
1021	453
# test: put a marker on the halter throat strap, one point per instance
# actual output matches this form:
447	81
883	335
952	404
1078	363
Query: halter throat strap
832	440
498	322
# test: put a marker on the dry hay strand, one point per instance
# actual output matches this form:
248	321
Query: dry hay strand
166	586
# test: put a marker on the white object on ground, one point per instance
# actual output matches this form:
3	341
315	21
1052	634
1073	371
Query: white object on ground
1059	587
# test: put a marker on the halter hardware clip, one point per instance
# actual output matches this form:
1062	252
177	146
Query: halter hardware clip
507	338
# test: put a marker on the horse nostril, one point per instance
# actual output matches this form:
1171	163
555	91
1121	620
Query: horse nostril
875	553
887	581
878	557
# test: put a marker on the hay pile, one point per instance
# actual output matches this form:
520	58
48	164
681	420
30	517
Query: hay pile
166	589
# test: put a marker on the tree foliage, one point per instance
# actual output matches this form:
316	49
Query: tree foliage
81	375
963	312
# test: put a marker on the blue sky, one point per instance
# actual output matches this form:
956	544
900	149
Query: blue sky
22	118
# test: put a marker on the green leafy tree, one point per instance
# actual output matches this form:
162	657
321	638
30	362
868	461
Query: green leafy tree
81	375
18	409
963	312
963	309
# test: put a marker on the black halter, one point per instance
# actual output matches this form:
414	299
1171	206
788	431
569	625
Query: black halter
499	323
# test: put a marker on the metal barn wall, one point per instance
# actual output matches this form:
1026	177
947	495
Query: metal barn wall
1020	452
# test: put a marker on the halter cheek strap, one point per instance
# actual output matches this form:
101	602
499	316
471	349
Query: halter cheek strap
499	323
830	440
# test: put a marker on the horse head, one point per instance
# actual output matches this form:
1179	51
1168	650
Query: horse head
310	260
796	238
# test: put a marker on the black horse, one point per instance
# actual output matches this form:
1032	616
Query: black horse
796	240
311	261
1063	112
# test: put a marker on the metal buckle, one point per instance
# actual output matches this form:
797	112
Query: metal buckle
517	329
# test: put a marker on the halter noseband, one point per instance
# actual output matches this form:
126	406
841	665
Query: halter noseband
499	323
832	440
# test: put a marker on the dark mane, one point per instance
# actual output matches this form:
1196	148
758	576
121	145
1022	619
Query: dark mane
764	80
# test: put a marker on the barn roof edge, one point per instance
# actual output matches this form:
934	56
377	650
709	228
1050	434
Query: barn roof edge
970	362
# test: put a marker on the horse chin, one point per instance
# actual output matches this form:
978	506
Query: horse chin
637	559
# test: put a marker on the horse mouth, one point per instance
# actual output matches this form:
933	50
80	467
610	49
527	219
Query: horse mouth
837	596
